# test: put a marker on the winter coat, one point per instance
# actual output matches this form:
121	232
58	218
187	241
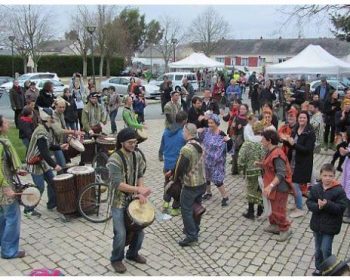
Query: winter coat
267	95
304	154
17	98
327	220
329	112
45	99
26	127
71	113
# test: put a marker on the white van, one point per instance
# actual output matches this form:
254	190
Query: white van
176	79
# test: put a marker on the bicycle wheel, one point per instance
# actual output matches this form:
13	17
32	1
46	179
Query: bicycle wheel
99	164
93	202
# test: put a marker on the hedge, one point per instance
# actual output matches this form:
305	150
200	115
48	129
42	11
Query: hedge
63	65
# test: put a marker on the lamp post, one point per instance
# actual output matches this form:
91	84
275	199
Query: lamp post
174	41
12	39
91	30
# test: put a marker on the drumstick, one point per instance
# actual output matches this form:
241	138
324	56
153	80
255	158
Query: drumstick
23	194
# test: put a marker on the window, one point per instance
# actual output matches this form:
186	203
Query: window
178	77
220	59
262	60
244	61
114	81
44	76
280	60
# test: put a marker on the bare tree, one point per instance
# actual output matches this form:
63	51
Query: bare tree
103	17
117	42
207	29
78	34
31	28
300	15
171	29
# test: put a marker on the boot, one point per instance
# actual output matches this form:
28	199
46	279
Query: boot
260	210
234	168
250	213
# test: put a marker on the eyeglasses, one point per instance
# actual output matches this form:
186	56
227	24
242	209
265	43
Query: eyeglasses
131	142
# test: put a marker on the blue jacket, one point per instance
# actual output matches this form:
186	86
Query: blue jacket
173	141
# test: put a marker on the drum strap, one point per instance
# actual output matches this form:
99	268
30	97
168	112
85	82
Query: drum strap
119	152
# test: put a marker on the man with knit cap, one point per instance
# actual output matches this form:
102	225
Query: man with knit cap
126	169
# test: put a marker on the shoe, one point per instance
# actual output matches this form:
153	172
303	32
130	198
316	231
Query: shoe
339	169
21	254
272	229
166	206
224	201
175	212
119	267
188	242
297	213
33	213
248	215
160	157
138	259
284	235
207	196
316	273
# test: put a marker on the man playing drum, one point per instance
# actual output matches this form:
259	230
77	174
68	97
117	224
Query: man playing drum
126	167
10	213
39	161
93	115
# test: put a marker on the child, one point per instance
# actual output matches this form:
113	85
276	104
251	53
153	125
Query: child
139	104
327	202
26	125
344	142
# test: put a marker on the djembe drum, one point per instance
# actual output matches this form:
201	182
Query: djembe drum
106	143
88	155
137	217
83	176
66	194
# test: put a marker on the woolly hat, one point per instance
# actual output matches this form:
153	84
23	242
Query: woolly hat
45	114
124	135
215	118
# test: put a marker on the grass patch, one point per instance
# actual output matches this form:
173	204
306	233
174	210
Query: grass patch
17	143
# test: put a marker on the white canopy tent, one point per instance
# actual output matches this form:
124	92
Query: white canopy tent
312	60
196	60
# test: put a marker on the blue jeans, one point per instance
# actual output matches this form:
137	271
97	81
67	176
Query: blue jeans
323	247
119	237
39	181
112	116
299	196
188	196
10	226
60	159
71	125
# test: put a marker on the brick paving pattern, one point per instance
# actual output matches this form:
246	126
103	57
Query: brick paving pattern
228	244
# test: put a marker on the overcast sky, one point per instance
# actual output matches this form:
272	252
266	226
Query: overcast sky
246	21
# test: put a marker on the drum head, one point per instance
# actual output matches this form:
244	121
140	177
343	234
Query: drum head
75	143
141	214
80	170
63	177
106	140
142	133
88	141
30	197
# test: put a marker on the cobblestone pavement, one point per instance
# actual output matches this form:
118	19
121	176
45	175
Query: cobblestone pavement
229	244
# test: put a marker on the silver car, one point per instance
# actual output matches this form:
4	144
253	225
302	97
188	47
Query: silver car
121	86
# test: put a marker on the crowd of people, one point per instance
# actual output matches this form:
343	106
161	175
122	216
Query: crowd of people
271	143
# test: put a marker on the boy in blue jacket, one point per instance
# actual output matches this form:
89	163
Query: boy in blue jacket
327	202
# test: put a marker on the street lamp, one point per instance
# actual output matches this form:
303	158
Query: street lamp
91	30
152	45
12	39
174	41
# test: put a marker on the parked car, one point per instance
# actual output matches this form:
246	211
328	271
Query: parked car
335	84
33	77
5	79
176	79
58	86
121	86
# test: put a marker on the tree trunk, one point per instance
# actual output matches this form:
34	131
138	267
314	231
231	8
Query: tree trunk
24	65
85	67
101	67
108	67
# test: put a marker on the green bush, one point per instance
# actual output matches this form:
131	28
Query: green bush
63	65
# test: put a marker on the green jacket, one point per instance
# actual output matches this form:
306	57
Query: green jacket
129	118
6	172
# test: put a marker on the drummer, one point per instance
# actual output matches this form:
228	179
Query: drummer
39	161
126	167
93	115
10	214
129	116
60	129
